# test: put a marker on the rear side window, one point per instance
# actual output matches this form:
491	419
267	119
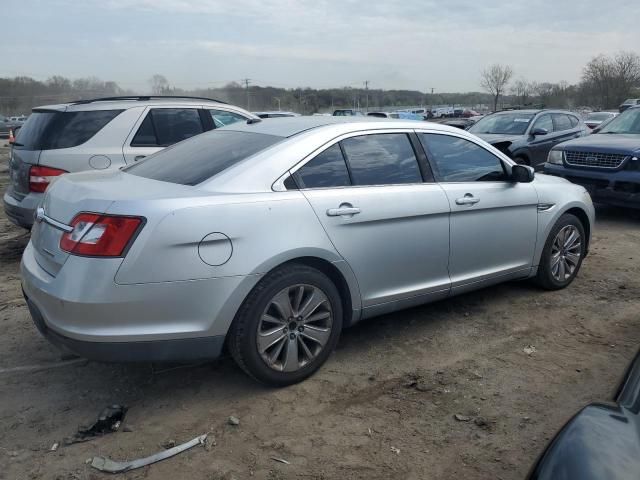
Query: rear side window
382	159
561	122
458	160
165	126
50	130
328	169
222	118
574	121
205	156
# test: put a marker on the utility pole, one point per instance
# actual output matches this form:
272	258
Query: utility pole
246	82
277	99
366	88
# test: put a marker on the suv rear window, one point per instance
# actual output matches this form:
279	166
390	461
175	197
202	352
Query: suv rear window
202	157
50	130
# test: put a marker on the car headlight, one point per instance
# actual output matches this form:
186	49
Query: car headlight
555	157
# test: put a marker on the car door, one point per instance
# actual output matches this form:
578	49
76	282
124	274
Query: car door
160	127
539	145
493	222
385	216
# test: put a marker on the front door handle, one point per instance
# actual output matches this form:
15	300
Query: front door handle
138	157
468	199
344	210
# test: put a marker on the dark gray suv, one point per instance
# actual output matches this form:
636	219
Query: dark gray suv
527	135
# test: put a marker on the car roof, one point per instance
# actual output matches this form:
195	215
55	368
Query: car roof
533	111
290	126
129	102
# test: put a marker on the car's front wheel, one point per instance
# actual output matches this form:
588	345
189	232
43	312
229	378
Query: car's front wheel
563	253
287	326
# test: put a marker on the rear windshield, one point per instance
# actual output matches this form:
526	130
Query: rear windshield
628	122
200	158
49	130
503	123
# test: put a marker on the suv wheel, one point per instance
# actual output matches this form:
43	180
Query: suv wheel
287	326
563	253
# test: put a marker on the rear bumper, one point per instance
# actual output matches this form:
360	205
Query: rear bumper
84	309
151	351
620	188
21	212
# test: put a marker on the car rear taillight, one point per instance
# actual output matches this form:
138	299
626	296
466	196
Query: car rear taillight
97	235
40	177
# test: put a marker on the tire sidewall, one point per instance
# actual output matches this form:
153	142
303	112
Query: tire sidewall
252	312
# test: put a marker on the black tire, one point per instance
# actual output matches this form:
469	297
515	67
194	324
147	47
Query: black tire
545	277
242	336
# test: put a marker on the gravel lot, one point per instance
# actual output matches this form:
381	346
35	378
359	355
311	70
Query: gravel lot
383	406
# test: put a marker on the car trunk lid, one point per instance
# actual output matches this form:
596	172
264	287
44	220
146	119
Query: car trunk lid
93	192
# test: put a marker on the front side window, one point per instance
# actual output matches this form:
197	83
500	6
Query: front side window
456	159
382	159
222	118
328	169
165	126
544	122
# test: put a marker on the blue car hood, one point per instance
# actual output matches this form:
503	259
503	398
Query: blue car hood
626	144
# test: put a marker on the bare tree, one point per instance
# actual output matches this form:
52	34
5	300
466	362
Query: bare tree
159	84
522	89
495	79
611	79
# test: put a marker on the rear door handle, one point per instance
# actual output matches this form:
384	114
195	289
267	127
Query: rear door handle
345	209
138	157
468	199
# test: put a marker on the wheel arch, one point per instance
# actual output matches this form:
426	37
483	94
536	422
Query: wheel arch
584	220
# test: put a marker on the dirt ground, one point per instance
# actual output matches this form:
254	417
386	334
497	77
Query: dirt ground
382	407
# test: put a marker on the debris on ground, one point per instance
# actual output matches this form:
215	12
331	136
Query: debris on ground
529	349
169	444
461	418
395	450
54	447
109	421
235	421
105	464
281	460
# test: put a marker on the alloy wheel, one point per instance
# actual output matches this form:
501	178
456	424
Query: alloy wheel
565	253
294	328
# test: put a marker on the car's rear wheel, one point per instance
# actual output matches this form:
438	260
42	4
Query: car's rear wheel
563	253
287	326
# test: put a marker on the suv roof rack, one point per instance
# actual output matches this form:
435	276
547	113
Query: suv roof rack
142	98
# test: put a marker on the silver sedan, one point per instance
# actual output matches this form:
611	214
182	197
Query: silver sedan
270	237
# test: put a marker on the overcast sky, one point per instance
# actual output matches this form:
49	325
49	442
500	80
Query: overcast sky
416	44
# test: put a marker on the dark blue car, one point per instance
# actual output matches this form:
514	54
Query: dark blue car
606	163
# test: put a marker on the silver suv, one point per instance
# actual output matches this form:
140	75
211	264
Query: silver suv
101	134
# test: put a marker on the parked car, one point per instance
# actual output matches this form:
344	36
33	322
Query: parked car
276	114
601	441
628	103
347	112
468	113
528	135
400	114
100	134
606	163
6	125
270	237
462	123
596	119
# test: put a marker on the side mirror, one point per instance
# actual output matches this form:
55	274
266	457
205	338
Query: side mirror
539	131
522	174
